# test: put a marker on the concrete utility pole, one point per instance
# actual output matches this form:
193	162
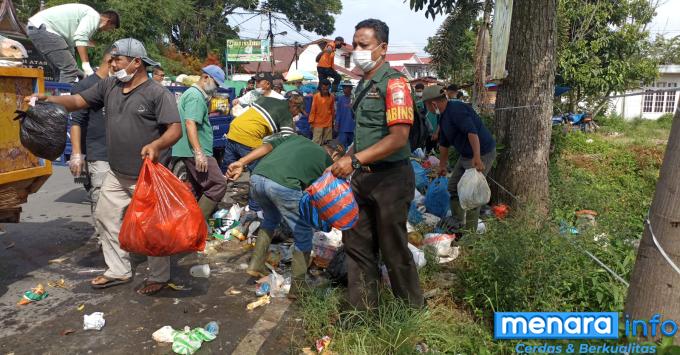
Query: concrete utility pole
655	283
271	42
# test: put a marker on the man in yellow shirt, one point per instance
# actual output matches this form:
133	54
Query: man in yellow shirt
264	117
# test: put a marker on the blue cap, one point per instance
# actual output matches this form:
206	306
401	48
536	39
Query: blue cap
215	72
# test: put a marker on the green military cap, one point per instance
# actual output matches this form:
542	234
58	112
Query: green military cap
433	92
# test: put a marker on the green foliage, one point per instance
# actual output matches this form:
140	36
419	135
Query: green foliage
453	47
193	28
310	15
519	268
664	50
394	328
600	47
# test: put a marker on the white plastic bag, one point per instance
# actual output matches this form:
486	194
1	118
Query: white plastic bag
163	335
441	243
473	190
94	321
325	246
418	256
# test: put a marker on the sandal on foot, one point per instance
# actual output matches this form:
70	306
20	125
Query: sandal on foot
150	288
102	281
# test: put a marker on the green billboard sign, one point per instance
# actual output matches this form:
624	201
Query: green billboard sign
248	50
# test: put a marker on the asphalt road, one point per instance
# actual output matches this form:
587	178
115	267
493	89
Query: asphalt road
56	223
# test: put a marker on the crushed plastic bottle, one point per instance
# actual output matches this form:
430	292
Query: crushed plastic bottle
212	328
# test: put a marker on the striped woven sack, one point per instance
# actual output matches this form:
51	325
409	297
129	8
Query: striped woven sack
310	214
334	200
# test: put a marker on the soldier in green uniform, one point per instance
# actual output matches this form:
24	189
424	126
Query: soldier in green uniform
382	179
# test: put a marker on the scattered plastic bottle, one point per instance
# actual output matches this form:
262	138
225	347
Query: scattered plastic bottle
212	328
262	289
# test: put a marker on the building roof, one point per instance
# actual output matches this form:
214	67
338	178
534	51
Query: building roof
669	69
425	60
391	57
283	56
9	22
353	74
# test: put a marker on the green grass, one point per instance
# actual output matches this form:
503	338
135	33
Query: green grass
518	265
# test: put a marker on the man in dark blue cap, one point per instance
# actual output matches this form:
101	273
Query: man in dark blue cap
196	145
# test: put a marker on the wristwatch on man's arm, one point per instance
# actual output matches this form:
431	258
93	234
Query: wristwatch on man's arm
356	164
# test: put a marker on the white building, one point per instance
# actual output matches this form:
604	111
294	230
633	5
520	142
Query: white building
654	104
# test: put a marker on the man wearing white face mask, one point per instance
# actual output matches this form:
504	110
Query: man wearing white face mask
196	144
382	179
142	122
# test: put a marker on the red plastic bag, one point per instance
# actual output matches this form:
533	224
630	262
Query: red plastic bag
163	218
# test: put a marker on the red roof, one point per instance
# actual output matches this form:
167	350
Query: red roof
426	60
399	56
398	68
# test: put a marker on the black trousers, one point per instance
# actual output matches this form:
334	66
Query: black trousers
383	198
325	73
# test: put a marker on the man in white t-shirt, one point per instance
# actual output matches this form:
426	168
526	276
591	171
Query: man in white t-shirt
57	31
264	87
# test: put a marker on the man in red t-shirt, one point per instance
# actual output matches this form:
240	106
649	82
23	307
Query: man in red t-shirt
326	61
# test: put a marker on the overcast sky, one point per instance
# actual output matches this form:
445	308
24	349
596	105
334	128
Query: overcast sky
409	30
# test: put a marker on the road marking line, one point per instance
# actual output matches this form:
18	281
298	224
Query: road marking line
253	341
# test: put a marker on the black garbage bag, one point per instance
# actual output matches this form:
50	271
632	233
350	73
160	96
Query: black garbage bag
337	268
43	129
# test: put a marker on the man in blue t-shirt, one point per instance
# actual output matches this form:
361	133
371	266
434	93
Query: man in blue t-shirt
460	127
344	116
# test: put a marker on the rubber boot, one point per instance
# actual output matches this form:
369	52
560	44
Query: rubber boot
299	271
456	210
472	220
256	268
207	206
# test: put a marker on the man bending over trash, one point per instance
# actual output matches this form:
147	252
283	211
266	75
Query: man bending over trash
461	127
288	166
142	121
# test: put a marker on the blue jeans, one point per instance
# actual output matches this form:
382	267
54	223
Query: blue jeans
346	138
234	151
280	202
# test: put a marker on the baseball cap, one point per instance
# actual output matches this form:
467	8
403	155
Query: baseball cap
452	87
130	47
340	39
433	92
264	76
346	83
215	72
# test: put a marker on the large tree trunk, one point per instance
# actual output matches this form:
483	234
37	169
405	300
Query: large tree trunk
654	284
482	50
523	133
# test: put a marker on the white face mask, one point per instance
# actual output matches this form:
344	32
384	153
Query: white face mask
259	91
364	59
419	94
123	76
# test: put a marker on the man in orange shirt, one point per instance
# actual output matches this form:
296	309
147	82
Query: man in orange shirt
322	113
326	60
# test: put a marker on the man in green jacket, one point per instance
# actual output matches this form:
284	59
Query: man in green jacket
288	165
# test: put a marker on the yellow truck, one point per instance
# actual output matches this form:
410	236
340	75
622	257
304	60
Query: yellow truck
21	173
